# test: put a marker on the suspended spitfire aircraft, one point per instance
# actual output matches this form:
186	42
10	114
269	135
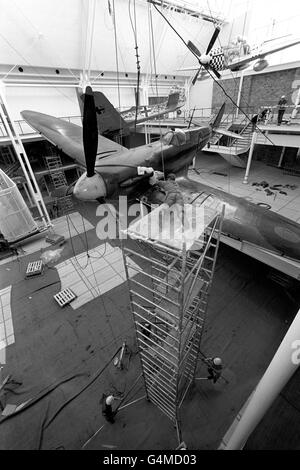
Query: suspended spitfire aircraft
112	170
222	58
111	122
234	57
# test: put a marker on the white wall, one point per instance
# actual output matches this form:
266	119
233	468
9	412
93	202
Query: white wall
201	95
54	101
52	33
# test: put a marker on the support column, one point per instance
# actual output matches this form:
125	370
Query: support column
282	367
19	149
281	157
239	94
253	140
187	87
146	134
144	88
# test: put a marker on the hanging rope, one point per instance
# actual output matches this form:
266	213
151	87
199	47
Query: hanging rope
117	57
156	85
138	67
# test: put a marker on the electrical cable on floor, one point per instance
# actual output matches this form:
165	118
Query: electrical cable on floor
72	246
129	391
41	434
90	286
95	376
33	401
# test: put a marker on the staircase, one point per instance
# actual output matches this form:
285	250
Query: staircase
238	147
11	169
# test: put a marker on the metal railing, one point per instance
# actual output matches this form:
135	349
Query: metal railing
199	114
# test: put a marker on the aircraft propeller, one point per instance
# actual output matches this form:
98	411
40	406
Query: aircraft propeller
90	131
91	184
204	59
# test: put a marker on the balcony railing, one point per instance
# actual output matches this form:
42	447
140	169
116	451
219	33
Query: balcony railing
199	114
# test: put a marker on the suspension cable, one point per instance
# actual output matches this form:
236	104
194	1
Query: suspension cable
138	67
156	85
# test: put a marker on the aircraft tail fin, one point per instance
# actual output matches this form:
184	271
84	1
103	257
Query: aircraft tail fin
173	100
109	119
217	121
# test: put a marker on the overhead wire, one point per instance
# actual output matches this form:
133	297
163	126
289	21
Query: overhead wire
138	67
156	83
83	276
116	57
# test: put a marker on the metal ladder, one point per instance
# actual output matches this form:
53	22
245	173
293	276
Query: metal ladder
58	177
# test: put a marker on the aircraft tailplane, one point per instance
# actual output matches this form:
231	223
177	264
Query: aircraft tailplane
109	119
173	100
218	119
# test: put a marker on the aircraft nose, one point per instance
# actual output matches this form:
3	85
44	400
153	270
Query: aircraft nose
90	188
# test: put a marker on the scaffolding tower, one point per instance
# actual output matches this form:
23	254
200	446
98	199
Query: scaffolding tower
169	296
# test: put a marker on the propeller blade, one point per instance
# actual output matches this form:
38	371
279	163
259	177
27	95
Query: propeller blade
90	131
193	48
213	39
215	72
196	76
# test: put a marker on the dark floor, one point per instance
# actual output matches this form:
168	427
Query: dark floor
247	317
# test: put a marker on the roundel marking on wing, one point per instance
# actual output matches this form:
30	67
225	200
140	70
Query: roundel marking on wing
287	234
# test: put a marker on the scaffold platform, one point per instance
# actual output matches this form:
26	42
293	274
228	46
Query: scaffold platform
174	267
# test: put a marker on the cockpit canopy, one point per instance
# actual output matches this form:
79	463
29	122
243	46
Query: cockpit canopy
177	138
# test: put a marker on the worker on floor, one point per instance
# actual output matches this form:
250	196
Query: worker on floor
107	410
214	368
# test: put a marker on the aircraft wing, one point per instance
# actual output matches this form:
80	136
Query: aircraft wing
260	55
67	136
188	69
171	106
229	133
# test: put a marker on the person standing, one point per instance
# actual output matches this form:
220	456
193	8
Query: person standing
281	109
107	410
214	368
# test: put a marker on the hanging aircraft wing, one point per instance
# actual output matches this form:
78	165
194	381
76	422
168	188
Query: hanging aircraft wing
238	63
110	120
171	106
67	136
